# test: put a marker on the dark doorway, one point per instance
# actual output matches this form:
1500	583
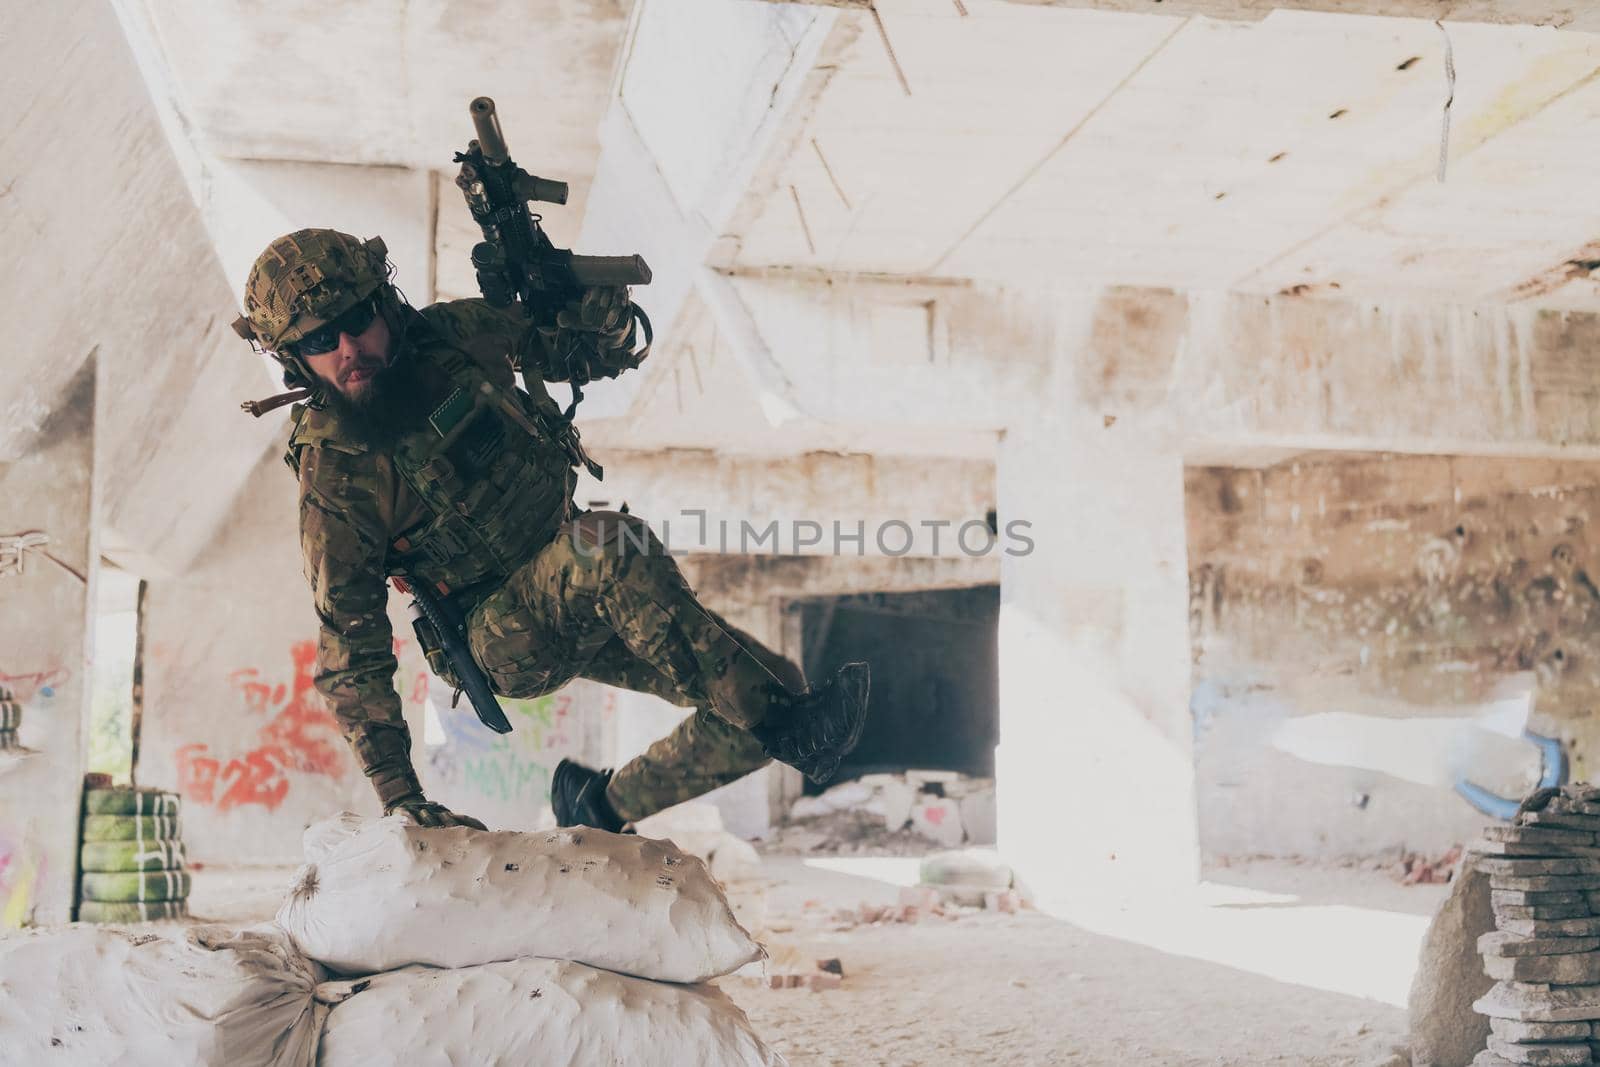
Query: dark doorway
935	675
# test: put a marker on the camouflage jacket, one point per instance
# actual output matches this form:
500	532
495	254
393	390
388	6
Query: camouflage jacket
460	509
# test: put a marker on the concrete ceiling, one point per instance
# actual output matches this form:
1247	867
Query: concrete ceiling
1295	153
376	82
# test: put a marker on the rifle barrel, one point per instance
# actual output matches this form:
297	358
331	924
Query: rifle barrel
487	123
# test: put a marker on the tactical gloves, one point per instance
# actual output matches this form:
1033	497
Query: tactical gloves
593	337
605	311
425	812
385	753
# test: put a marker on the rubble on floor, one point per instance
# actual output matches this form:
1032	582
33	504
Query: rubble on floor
892	814
1544	887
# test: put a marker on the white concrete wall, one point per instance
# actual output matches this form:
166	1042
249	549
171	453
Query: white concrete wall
231	719
44	653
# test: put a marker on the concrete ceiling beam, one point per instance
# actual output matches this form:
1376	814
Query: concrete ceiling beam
1570	15
684	145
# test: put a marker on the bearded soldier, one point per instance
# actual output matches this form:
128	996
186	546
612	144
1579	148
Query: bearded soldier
418	455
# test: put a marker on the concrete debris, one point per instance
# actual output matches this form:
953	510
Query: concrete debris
939	820
1544	1009
788	968
844	833
945	807
971	866
1421	870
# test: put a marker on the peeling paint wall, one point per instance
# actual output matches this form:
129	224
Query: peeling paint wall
1370	629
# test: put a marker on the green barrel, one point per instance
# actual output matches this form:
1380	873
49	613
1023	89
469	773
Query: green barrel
130	827
142	886
95	911
132	856
10	715
130	802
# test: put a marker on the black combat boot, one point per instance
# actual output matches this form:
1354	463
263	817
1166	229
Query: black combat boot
820	727
578	796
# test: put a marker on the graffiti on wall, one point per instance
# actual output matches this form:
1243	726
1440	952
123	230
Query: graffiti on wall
299	734
32	685
514	768
19	690
20	874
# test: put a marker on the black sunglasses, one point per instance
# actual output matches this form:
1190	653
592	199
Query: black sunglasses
325	338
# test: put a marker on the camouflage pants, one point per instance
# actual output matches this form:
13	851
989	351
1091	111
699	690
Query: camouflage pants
604	601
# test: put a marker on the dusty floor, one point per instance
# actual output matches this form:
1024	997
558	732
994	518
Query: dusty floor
1282	965
1032	989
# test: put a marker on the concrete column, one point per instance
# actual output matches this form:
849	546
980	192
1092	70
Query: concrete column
1094	771
44	639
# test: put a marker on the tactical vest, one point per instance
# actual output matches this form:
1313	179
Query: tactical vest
497	491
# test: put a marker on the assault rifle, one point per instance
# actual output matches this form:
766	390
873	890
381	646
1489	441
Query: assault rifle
516	259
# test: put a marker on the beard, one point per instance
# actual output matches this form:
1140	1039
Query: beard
393	404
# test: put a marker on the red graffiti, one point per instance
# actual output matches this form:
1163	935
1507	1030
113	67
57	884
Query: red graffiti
255	779
301	736
307	730
259	697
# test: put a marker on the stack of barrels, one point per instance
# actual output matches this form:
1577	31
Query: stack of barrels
132	857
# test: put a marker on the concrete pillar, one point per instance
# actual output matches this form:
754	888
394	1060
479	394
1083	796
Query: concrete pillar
44	639
1094	772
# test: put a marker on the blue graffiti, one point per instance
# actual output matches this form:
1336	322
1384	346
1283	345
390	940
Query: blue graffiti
1552	772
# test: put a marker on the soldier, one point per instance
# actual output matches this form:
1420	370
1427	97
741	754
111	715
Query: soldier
417	454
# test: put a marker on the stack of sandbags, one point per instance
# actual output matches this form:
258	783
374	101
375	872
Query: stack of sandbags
10	720
528	926
697	829
543	1013
1544	881
203	995
132	857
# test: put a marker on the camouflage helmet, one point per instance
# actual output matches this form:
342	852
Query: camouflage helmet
303	280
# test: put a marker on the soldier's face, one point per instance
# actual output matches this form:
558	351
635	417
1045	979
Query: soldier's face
353	366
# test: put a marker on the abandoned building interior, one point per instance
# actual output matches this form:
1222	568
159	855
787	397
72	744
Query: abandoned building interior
1189	410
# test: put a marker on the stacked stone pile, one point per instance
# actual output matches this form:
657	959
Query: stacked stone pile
1544	882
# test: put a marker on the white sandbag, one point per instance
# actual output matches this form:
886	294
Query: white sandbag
202	995
376	895
537	1013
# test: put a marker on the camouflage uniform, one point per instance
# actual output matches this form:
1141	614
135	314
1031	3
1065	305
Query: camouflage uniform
481	508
